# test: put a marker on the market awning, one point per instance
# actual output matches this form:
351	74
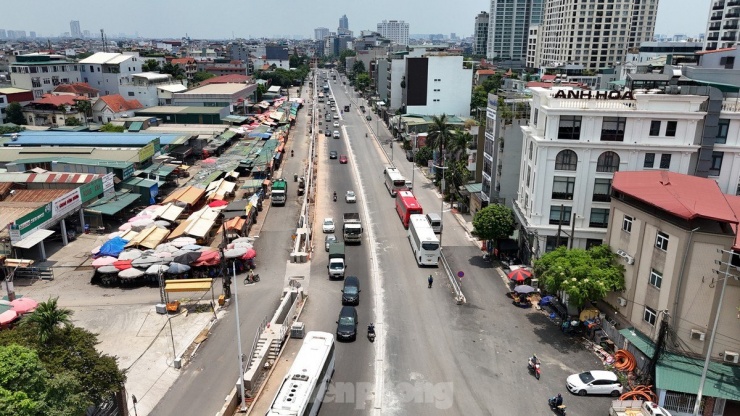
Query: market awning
115	205
33	238
189	195
169	212
135	126
188	285
682	374
149	238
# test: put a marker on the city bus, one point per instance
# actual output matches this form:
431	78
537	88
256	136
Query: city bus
407	205
394	181
424	242
304	387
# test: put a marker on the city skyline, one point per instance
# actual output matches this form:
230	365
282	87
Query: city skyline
675	17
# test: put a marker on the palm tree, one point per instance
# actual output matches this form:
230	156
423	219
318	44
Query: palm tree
439	135
84	107
458	143
47	318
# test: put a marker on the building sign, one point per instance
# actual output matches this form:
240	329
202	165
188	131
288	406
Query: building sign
128	172
594	95
108	184
146	152
91	190
66	203
31	221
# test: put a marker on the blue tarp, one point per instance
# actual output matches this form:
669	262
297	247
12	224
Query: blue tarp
113	247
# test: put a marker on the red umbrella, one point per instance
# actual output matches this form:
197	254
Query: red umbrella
24	305
218	203
122	264
520	275
8	316
250	254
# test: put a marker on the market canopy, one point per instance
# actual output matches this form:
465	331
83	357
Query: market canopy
169	212
114	204
149	237
189	195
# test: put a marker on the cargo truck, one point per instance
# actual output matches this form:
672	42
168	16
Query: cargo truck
279	192
636	408
336	264
352	227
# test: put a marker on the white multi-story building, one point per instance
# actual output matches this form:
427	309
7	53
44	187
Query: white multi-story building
480	33
577	139
437	83
508	27
596	34
723	25
108	71
74	29
41	73
395	30
320	33
151	89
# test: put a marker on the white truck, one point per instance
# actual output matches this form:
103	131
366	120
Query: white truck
352	228
636	408
336	264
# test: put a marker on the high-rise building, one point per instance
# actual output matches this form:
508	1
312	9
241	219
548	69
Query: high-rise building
508	27
74	29
344	22
722	27
480	33
3	35
32	34
320	33
395	30
595	34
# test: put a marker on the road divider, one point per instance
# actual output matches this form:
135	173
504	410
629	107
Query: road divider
459	296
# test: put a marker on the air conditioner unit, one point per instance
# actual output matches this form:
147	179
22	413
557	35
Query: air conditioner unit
621	253
697	335
622	301
732	357
630	259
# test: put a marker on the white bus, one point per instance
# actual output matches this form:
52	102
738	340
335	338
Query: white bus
305	385
424	242
394	181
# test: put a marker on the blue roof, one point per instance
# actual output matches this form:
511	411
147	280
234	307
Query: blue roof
64	138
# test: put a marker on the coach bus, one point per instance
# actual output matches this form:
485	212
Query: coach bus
424	242
394	181
407	205
304	387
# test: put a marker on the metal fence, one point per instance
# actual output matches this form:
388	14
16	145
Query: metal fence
681	402
621	342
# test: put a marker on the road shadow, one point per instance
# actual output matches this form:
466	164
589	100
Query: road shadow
549	333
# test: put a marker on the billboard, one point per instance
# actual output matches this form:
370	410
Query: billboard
31	221
66	203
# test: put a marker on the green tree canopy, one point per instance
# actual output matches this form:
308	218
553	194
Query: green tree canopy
343	56
6	129
584	275
150	65
14	114
358	68
363	81
201	76
175	70
47	318
72	121
110	128
494	222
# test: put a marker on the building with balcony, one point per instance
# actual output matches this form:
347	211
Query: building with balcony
508	28
152	88
480	33
13	95
397	31
189	65
41	73
108	71
54	110
723	26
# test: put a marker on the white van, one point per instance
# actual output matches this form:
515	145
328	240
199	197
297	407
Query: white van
435	220
409	185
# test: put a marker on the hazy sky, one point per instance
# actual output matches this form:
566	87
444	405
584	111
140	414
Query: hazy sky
223	19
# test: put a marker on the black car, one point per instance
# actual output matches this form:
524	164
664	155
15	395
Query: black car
347	324
368	118
351	291
333	154
410	155
327	132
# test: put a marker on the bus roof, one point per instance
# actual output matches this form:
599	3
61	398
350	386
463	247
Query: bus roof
408	199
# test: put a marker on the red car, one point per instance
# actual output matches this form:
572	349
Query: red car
343	159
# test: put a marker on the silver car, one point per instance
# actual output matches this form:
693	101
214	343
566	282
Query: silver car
350	197
331	238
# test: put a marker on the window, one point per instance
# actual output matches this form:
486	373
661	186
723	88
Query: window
627	223
722	127
656	278
661	241
655	128
131	94
536	114
599	218
607	162
562	187
555	214
566	160
716	166
531	148
602	190
612	129
665	161
649	161
569	128
670	129
649	316
593	242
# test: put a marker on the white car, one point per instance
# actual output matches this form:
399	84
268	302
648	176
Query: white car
336	124
594	382
328	226
336	116
350	197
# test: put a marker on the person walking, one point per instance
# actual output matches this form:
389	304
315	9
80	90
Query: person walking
430	280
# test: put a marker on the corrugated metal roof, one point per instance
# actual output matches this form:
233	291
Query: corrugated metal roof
11	211
41	196
50	177
63	138
33	238
99	58
684	196
49	153
682	374
114	206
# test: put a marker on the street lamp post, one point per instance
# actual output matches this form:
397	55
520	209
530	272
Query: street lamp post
442	201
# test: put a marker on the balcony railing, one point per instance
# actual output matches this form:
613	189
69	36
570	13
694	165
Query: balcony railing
716	17
714	37
733	3
714	26
732	14
598	224
562	195
730	26
718	6
601	198
729	37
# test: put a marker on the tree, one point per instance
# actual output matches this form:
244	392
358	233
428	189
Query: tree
201	76
72	121
363	81
584	275
47	318
7	129
261	90
175	70
343	56
22	381
150	65
479	97
494	222
14	114
110	128
438	136
358	68
84	107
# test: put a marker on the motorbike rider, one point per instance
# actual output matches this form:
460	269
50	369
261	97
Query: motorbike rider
533	361
557	400
371	328
335	195
430	280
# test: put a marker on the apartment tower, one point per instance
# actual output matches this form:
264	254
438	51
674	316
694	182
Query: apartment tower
722	25
508	27
480	33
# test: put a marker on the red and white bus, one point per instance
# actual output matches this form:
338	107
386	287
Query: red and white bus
394	181
407	205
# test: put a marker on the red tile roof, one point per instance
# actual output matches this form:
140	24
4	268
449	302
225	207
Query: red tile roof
58	100
227	79
79	88
183	61
117	103
546	78
684	196
486	72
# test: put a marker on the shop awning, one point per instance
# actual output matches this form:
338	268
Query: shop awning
149	238
189	195
236	223
169	212
115	205
188	285
135	126
33	238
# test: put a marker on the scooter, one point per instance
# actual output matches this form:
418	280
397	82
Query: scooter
534	368
335	197
371	332
558	409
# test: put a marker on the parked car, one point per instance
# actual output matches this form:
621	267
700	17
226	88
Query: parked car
328	225
347	324
350	197
351	291
594	382
410	155
333	154
343	159
330	238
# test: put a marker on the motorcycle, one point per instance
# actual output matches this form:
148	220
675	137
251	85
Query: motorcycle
558	409
371	332
534	367
335	197
253	278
